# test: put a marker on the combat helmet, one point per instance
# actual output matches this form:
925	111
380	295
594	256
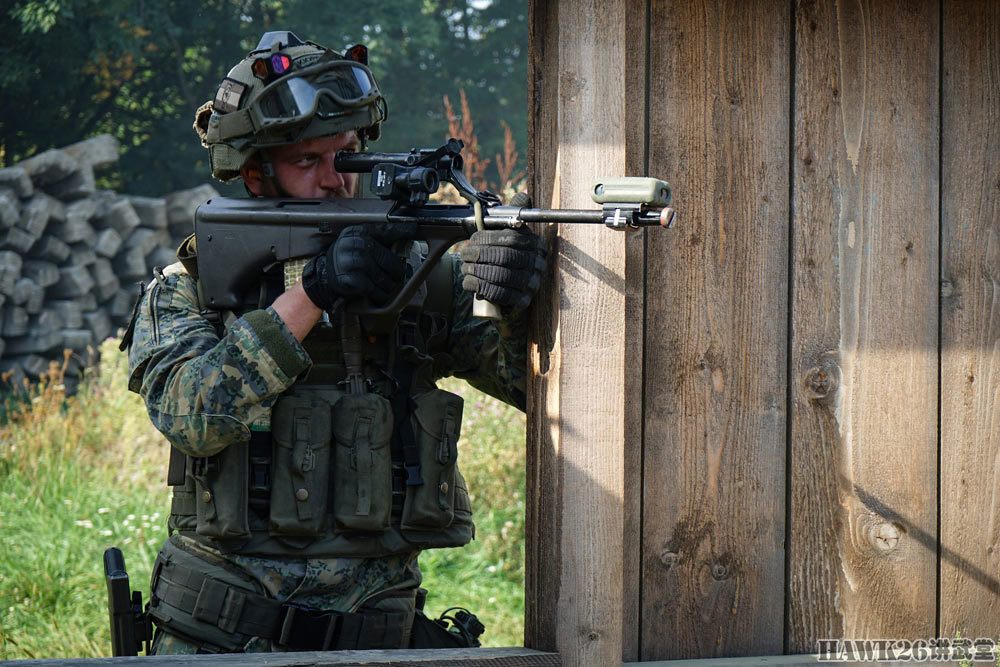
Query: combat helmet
283	92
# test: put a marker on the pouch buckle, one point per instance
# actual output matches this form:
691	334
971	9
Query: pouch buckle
203	466
413	477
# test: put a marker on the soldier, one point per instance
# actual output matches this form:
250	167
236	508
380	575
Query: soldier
301	500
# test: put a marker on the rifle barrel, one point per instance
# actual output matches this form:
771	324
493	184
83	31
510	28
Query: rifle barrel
586	216
650	218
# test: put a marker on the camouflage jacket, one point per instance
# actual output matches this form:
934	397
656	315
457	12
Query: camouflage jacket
203	392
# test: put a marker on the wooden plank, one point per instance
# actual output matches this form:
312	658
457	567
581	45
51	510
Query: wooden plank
451	657
577	402
498	658
543	504
861	658
714	520
864	366
970	320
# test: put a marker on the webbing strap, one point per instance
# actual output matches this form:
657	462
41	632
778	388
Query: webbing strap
259	481
306	630
303	459
212	601
403	439
363	462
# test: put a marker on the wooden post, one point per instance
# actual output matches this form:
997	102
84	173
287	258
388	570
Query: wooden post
864	372
970	321
574	582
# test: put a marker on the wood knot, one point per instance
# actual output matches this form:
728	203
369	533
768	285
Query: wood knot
885	536
821	382
719	571
669	559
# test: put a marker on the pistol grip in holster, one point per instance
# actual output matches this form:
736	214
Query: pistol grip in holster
131	627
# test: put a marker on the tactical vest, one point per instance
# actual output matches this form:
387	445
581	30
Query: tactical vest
357	459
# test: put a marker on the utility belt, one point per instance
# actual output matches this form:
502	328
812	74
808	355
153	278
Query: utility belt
329	479
218	609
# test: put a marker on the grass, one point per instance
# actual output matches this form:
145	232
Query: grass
81	474
486	576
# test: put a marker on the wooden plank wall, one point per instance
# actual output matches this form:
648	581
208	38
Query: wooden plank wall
814	454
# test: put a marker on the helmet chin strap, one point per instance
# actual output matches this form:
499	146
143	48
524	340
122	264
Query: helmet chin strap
268	175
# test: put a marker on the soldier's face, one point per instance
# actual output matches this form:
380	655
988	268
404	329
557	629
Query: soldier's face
306	169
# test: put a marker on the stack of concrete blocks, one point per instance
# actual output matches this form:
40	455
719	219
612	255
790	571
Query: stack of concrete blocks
72	256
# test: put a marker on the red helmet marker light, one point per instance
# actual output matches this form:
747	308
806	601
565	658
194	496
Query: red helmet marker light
280	63
358	53
259	68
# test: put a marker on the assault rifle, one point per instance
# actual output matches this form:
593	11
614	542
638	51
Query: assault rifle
240	239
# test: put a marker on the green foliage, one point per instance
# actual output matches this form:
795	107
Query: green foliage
136	70
140	70
77	475
83	473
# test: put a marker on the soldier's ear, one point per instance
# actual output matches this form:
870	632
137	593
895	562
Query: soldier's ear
250	172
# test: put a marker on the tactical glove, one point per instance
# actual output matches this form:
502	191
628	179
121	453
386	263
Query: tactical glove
360	263
504	266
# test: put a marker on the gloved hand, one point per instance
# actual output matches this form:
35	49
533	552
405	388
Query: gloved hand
360	263
504	266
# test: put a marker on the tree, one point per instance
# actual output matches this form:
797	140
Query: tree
423	50
139	70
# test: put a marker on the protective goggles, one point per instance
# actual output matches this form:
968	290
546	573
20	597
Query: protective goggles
320	91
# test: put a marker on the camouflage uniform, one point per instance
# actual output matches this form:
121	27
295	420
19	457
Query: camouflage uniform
204	393
297	493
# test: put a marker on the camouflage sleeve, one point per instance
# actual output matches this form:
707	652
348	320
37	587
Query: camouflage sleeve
491	356
203	392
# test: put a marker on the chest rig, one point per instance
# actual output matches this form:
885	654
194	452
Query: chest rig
357	459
